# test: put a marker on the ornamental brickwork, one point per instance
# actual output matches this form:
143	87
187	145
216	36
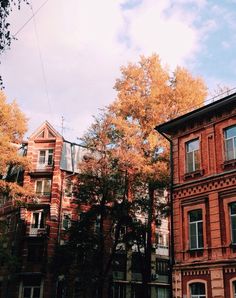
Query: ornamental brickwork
204	198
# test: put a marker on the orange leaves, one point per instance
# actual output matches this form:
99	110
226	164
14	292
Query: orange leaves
12	129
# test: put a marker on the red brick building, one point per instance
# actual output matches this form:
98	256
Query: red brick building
203	146
37	225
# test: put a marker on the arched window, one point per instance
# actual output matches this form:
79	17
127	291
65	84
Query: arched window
197	290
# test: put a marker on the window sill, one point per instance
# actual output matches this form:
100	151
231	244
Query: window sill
193	175
198	252
229	164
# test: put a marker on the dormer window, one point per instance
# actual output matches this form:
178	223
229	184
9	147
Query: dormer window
45	158
192	156
230	143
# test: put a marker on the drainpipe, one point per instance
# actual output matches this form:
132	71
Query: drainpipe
171	251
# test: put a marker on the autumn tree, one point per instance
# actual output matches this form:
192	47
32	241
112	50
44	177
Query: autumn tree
103	213
12	128
147	95
128	162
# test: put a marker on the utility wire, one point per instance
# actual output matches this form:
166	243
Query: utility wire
41	58
36	12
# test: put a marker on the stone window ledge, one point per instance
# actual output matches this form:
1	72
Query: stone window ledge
193	175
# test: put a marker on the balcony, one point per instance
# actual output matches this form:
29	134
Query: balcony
35	232
162	250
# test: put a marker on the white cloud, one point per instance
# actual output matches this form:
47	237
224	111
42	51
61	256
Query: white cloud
83	45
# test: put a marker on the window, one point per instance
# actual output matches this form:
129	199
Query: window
163	292
38	220
31	289
66	221
197	290
195	229
234	289
162	267
45	158
118	290
233	222
192	156
230	143
43	187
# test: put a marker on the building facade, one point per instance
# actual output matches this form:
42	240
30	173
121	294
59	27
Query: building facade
203	145
36	226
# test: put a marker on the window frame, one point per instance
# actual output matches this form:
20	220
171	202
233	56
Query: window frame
225	145
196	224
40	219
197	281
48	162
187	153
231	225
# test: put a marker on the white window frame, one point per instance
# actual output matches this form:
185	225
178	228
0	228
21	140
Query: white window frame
233	138
42	192
192	152
39	212
46	163
22	287
196	224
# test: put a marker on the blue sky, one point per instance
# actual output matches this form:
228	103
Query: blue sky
66	60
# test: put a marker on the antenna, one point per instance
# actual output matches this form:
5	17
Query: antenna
62	125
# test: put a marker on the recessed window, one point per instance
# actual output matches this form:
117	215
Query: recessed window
45	158
196	229
192	156
197	290
43	187
233	222
230	143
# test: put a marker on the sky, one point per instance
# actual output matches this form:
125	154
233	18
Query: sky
65	60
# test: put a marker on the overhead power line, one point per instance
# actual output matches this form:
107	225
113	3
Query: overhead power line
35	13
41	58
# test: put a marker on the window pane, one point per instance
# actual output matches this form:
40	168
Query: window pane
195	215
193	145
196	160
42	156
35	222
229	149
233	208
230	132
36	293
26	293
233	228
50	157
47	186
200	235
193	236
42	220
189	160
197	288
39	185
